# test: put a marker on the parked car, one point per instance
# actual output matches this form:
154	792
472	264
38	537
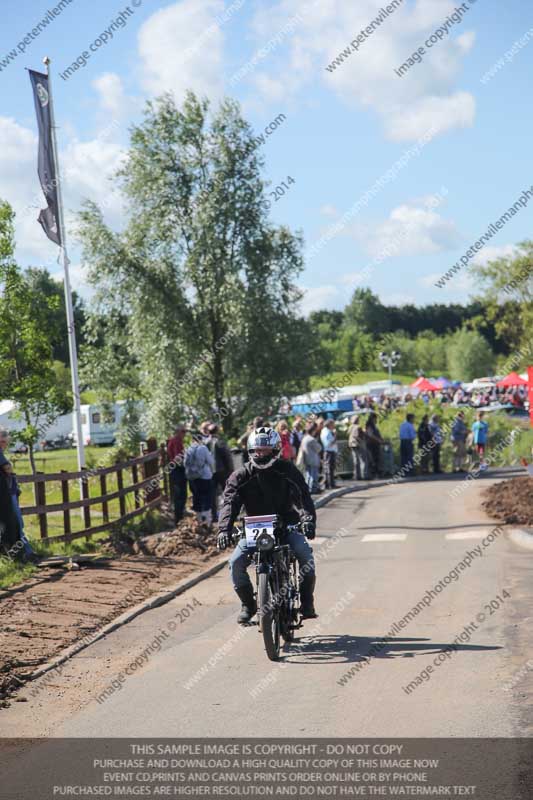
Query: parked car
19	448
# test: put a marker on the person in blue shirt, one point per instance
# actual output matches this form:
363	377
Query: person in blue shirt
480	429
407	448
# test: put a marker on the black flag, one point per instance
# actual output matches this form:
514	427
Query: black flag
46	167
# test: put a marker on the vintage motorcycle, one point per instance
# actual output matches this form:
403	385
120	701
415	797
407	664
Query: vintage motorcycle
278	598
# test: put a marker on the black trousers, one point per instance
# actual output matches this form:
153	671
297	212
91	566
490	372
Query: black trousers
178	487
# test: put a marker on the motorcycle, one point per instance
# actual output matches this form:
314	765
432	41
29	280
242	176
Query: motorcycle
276	568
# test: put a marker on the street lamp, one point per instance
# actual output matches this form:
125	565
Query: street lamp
389	360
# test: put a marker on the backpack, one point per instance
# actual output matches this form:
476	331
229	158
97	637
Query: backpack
194	462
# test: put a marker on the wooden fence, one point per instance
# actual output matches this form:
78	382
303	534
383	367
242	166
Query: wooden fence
146	472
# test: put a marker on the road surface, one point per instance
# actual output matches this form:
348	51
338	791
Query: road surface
380	552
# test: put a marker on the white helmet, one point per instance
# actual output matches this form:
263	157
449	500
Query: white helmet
264	447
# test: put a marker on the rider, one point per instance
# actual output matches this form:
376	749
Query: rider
268	485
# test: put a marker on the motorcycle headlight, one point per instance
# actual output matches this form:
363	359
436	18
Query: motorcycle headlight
265	542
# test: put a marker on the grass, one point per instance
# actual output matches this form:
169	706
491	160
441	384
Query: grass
55	461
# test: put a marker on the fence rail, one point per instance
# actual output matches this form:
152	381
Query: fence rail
144	488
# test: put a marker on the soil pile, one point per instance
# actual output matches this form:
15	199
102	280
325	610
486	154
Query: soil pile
511	501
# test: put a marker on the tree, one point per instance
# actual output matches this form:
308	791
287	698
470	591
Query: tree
27	373
366	312
45	288
205	283
508	287
469	356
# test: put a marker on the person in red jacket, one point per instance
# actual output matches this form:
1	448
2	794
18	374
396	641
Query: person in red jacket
178	481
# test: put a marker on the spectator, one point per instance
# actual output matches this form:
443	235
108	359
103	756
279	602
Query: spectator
309	457
437	439
178	480
297	434
223	465
480	430
257	422
328	437
373	444
10	541
287	450
458	437
199	469
424	439
204	427
357	443
407	449
13	488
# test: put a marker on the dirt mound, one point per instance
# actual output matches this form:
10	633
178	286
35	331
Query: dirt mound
58	606
188	535
511	501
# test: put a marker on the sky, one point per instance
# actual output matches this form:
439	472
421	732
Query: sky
394	176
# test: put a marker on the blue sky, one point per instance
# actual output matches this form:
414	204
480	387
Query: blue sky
343	129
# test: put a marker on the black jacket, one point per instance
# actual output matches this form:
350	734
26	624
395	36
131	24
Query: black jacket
280	489
9	526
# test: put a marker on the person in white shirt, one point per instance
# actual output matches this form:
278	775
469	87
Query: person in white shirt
199	468
407	449
328	437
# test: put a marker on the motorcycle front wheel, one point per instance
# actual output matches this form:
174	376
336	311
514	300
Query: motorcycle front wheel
268	616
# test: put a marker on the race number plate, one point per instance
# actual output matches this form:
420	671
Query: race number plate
254	526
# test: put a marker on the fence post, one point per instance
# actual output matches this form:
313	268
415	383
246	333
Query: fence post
40	500
151	470
120	487
66	499
163	460
135	479
85	496
103	492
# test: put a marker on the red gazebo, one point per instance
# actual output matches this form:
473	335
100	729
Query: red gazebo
423	385
513	379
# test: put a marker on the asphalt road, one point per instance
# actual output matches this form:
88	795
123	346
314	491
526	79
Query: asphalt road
379	553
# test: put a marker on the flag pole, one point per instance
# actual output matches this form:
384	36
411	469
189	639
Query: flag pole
73	351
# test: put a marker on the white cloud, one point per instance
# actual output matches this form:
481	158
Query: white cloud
86	167
180	48
494	252
397	299
442	113
424	98
113	98
328	210
411	229
318	297
462	282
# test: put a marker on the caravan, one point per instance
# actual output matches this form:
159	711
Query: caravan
99	424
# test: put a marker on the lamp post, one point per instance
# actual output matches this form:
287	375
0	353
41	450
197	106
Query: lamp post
389	360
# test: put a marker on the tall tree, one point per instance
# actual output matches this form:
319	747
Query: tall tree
508	294
45	288
27	371
469	356
205	282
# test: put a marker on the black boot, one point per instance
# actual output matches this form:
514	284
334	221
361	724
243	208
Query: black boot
307	588
249	605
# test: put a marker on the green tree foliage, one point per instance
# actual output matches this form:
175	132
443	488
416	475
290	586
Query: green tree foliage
28	375
469	356
46	289
198	293
507	285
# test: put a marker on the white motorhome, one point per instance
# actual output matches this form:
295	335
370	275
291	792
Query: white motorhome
99	426
62	426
